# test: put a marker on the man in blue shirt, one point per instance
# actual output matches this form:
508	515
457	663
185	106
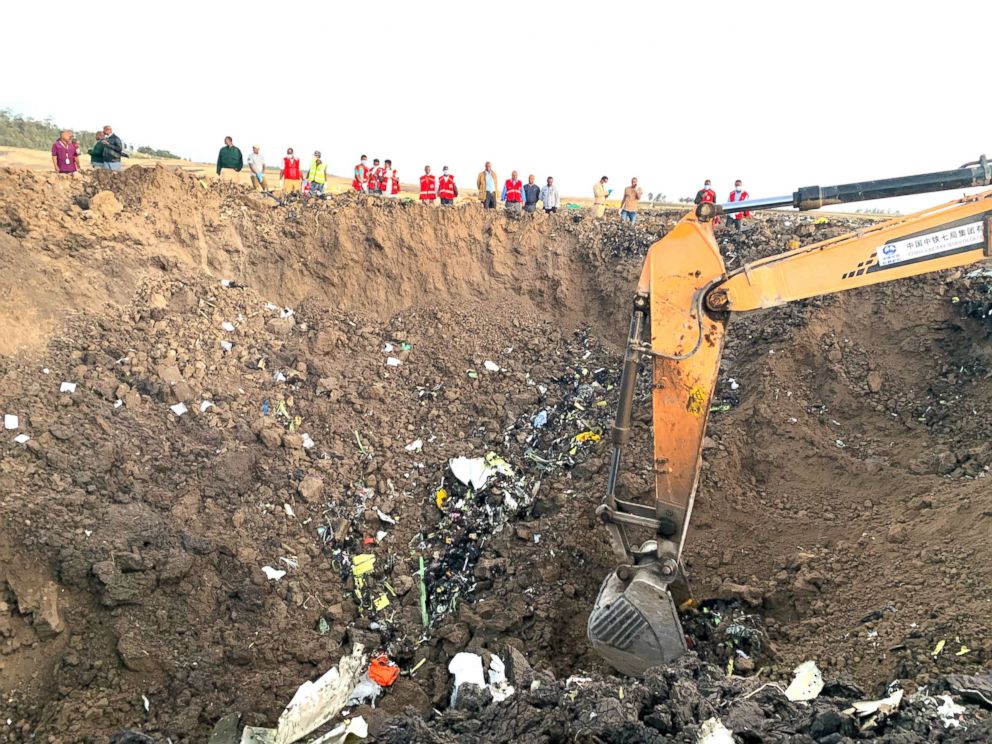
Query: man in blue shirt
486	186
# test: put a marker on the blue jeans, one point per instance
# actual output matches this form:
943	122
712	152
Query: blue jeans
631	217
316	188
115	166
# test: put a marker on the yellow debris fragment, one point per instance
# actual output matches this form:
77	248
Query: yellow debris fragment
938	648
381	602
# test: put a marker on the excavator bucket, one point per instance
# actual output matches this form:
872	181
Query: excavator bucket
634	624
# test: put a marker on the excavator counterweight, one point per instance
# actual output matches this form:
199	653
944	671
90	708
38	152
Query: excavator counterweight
681	309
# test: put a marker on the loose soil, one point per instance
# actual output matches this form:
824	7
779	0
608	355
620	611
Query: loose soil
843	504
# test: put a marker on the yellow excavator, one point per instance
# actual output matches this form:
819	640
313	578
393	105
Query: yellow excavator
681	309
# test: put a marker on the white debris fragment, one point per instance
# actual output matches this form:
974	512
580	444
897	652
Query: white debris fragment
205	404
885	705
226	345
118	403
273	574
227	326
499	688
381	535
467	668
491	366
46	371
286	312
415	446
840	443
22	439
88	533
949	712
289	510
308	443
383	517
733	383
270	306
356	727
148	704
807	683
393	362
471	471
291	562
67	387
387	348
179	409
226	282
278	376
712	731
10	421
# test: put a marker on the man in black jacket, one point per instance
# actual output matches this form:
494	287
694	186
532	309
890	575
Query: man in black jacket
113	149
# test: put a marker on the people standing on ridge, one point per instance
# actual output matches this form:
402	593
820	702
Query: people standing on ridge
256	164
317	174
390	184
549	195
113	149
290	173
428	187
96	152
446	188
631	199
532	194
513	195
599	195
376	177
486	186
229	161
361	180
736	219
65	154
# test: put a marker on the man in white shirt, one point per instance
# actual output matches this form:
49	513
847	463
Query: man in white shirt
549	195
256	164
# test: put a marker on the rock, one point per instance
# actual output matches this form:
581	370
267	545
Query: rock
518	669
874	381
749	594
123	588
105	204
176	565
270	437
292	440
310	488
280	326
402	584
946	462
38	600
897	534
327	339
134	656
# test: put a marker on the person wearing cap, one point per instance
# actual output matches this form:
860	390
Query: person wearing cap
229	161
317	174
290	173
549	196
376	177
428	187
532	194
599	196
361	180
736	219
446	188
256	164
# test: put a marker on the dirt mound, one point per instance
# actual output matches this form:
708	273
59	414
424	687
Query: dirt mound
301	416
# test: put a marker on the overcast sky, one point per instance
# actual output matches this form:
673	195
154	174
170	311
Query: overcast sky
780	94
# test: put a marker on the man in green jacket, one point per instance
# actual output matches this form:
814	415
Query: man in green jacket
229	161
96	152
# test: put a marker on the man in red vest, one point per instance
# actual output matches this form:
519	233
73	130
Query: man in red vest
736	219
513	195
446	188
428	187
707	194
361	180
290	173
376	177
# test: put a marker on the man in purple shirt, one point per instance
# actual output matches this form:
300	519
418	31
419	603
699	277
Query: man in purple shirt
65	154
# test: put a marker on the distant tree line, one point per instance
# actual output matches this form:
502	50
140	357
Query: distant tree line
23	131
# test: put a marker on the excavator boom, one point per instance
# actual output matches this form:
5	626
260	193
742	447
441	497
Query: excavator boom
681	310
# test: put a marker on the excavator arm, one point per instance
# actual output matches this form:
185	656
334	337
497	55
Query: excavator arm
681	310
